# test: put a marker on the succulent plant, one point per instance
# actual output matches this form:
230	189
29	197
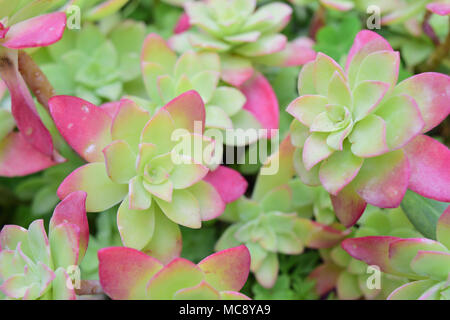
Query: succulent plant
253	107
137	161
34	266
400	12
348	275
360	135
22	25
95	10
242	35
441	7
268	224
95	65
425	261
217	277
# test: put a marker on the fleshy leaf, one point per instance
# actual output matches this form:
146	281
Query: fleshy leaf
338	91
64	243
73	210
23	107
91	178
20	158
430	174
306	80
382	181
411	290
403	120
38	243
372	128
36	32
443	228
210	201
367	95
347	286
230	295
11	235
202	291
165	244
60	289
230	184
315	149
339	170
184	209
430	91
265	45
83	125
403	251
373	250
306	108
120	161
324	69
365	43
187	174
261	101
128	123
348	205
178	274
281	161
442	9
267	272
134	267
319	235
156	50
138	197
435	265
227	270
380	66
187	109
136	227
156	133
236	70
326	276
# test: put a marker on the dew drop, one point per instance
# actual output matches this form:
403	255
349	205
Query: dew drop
85	109
90	149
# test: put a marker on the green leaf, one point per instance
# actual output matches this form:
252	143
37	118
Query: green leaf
336	38
45	200
423	213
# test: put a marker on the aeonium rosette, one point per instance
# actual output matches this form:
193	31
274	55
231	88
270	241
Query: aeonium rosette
352	278
269	223
95	64
23	25
360	135
34	266
242	34
152	166
425	261
252	106
217	277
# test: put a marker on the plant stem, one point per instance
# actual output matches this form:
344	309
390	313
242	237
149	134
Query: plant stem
428	29
442	51
89	287
318	21
35	79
